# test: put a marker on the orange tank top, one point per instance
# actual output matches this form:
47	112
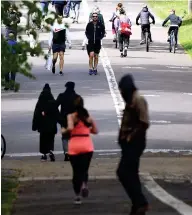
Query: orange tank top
80	141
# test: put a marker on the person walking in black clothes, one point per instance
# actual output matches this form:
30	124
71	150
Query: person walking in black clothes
95	31
132	140
45	119
66	101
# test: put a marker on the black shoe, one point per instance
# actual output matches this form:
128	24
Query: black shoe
44	158
52	156
66	157
60	73
6	88
90	71
77	201
121	55
53	69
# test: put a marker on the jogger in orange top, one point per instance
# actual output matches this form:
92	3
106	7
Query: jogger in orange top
80	148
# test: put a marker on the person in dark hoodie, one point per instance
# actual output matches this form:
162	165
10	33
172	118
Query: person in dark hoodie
66	101
45	119
144	17
132	140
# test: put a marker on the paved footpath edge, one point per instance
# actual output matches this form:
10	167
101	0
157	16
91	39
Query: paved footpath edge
170	169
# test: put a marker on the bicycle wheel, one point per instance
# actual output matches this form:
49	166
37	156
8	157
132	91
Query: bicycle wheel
3	146
147	41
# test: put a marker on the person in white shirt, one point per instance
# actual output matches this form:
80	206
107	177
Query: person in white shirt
57	42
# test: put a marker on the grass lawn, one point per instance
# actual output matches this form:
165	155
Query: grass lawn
8	194
162	9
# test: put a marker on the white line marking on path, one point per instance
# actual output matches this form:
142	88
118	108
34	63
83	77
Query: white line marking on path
165	197
133	67
189	94
101	151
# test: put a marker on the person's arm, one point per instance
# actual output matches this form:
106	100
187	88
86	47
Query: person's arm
87	31
180	21
137	18
58	101
50	40
143	125
70	123
94	129
166	20
129	21
152	17
68	39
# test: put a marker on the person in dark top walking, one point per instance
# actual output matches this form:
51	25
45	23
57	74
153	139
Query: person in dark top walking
66	101
45	119
144	17
59	7
95	31
132	140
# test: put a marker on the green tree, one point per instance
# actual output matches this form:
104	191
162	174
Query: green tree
18	62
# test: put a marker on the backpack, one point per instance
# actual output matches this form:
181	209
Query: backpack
125	28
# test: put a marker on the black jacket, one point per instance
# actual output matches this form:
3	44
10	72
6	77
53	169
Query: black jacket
95	32
46	123
66	100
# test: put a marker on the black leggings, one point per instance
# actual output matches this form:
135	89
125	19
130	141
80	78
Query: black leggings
80	165
59	9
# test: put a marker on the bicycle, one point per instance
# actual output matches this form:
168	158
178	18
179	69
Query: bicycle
3	146
146	36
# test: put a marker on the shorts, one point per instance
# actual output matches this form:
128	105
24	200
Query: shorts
94	47
58	48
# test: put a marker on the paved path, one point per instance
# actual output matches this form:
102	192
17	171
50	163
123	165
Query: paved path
106	197
164	78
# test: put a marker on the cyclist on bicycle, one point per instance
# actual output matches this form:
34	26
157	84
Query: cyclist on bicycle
113	18
123	27
144	17
176	22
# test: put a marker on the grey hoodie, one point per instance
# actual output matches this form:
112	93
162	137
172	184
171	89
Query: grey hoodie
144	16
174	20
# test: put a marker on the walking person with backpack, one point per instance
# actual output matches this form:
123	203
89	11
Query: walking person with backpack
80	127
123	27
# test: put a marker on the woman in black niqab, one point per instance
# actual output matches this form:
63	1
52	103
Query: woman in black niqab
45	119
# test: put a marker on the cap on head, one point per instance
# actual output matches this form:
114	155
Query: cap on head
11	36
70	84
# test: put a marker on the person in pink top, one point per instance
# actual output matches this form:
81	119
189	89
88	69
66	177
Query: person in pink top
80	148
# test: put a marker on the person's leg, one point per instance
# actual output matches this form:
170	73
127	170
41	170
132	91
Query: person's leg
120	37
169	32
176	35
142	34
86	160
90	52
13	75
55	56
128	173
126	44
76	163
77	10
61	62
43	146
7	80
65	148
50	143
97	48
